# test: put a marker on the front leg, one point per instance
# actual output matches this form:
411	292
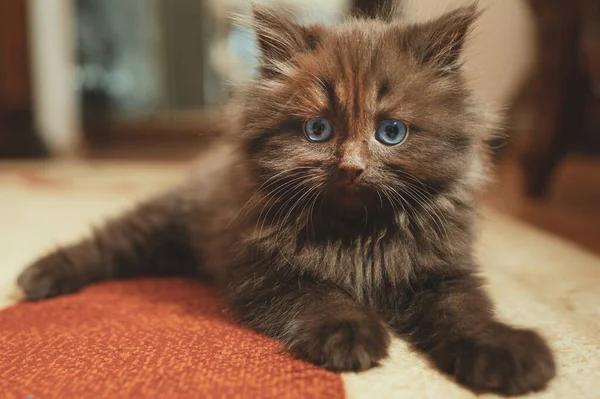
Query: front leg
450	318
151	239
316	321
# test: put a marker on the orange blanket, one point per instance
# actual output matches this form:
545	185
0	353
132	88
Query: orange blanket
160	338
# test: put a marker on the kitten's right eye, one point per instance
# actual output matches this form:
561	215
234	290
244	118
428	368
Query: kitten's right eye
318	130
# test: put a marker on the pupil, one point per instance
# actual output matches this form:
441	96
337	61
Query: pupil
392	131
318	128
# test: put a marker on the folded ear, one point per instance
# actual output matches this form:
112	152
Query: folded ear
279	37
439	43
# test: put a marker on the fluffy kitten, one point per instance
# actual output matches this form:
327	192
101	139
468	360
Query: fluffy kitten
337	208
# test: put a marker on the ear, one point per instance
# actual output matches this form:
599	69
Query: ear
439	43
279	37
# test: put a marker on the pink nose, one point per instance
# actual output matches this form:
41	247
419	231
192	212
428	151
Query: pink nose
351	173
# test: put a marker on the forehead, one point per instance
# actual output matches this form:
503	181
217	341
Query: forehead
360	70
355	51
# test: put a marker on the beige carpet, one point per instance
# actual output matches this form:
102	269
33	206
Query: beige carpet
537	280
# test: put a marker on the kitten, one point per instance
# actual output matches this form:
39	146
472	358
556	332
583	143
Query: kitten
337	208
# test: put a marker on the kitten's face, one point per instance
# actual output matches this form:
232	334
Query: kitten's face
364	116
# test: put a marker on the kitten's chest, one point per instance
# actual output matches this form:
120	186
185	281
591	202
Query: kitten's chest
365	264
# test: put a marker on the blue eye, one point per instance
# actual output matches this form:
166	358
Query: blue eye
318	129
391	132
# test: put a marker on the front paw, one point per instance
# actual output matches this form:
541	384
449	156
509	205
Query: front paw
344	343
509	361
48	277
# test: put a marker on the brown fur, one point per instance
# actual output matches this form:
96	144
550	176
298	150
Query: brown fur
300	257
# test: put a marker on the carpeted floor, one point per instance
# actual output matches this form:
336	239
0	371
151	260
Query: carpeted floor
171	338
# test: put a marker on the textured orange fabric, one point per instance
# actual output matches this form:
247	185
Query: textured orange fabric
150	338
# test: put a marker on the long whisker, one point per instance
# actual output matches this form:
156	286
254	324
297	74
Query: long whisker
391	200
380	200
402	201
296	203
268	183
312	193
441	227
415	179
311	211
291	187
415	194
292	192
312	201
300	184
428	203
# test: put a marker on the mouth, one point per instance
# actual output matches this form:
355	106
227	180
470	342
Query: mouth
351	189
349	197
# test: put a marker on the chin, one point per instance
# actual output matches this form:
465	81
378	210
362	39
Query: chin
353	201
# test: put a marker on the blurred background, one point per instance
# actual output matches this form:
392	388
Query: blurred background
114	81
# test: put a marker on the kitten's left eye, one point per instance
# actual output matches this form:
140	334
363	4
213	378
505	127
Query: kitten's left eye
391	132
318	129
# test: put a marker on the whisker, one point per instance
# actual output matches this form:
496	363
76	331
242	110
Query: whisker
391	201
313	194
311	211
286	189
441	216
380	200
294	191
441	229
268	183
417	180
296	203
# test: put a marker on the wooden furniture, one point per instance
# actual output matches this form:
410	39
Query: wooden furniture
18	138
371	7
559	95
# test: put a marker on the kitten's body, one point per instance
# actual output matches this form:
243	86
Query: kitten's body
302	255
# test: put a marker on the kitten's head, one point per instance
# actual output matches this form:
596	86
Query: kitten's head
368	115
